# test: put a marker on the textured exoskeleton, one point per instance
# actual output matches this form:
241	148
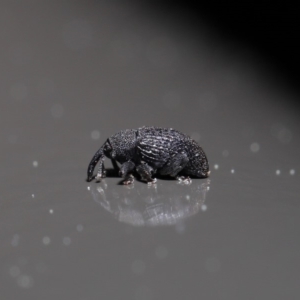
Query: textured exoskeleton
149	151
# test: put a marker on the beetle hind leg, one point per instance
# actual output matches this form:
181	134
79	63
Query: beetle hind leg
184	179
146	172
174	165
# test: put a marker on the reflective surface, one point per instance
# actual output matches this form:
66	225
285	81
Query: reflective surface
151	205
73	74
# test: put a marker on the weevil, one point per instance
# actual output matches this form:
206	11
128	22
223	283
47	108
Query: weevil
150	151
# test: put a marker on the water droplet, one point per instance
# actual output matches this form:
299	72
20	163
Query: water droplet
138	267
280	132
51	211
292	172
216	167
161	252
95	134
180	227
232	171
14	271
79	228
46	240
225	153
277	172
15	240
35	164
204	207
25	281
254	147
66	241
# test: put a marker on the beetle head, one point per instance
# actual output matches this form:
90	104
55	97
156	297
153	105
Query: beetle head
121	145
107	149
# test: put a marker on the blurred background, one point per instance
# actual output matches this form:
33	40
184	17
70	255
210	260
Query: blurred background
75	72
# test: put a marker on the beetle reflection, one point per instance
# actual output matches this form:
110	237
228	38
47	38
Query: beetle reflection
151	205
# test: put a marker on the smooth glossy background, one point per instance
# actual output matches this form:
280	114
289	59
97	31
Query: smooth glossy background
75	72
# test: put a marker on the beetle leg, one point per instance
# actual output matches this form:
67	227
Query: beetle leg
115	165
174	165
184	179
145	171
125	170
128	180
101	170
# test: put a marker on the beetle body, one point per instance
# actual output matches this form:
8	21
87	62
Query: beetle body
149	151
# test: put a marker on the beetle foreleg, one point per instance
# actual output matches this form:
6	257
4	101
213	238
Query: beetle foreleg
125	172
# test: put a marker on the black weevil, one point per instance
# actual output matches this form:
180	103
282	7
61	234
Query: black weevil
149	151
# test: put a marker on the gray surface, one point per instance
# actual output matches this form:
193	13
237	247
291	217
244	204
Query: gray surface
72	70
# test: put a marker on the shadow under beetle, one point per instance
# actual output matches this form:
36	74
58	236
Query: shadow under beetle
149	151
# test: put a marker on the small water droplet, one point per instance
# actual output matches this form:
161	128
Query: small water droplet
25	281
15	240
292	172
66	241
95	135
225	153
204	207
46	240
79	228
161	252
254	147
14	271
